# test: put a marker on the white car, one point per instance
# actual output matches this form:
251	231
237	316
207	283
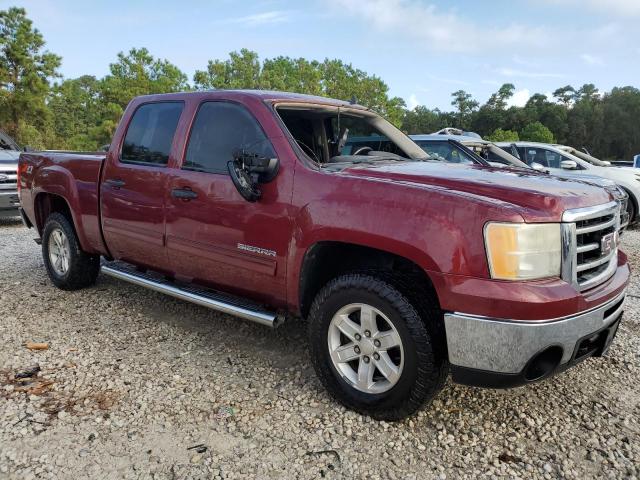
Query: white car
565	160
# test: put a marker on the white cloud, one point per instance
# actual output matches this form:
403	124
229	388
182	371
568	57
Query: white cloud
519	98
258	19
413	101
592	60
438	30
621	8
512	72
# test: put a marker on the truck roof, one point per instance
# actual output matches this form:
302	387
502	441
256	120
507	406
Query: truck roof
264	95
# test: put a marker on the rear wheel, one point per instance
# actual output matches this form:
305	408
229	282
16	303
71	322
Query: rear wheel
68	266
371	349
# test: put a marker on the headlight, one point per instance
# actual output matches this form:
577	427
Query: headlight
520	251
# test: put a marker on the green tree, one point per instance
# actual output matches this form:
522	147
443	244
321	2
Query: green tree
139	73
499	99
241	70
537	132
464	105
565	95
423	120
25	71
76	106
330	78
500	135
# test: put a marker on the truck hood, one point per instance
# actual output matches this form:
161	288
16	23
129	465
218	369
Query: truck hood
548	196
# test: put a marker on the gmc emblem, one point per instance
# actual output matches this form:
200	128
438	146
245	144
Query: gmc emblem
3	177
608	243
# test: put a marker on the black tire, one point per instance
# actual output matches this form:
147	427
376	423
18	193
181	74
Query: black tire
631	209
83	268
425	367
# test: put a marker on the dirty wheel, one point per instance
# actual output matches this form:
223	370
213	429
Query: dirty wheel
68	267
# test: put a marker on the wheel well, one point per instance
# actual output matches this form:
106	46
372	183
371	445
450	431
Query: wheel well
48	203
327	260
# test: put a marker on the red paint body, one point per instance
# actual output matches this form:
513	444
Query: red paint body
432	214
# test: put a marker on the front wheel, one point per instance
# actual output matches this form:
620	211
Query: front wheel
69	268
371	349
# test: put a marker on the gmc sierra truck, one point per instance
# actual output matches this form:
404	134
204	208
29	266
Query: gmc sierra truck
405	268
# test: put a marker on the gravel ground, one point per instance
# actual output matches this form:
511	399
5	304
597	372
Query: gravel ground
135	384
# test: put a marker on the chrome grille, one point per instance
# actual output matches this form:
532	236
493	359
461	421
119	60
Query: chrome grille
590	244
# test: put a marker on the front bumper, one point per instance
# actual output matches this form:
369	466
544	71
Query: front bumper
9	203
499	353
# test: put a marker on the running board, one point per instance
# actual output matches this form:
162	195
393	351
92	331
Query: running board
206	298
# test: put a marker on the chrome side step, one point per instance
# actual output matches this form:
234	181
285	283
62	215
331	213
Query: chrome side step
206	298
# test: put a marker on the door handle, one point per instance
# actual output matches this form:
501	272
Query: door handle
183	193
115	182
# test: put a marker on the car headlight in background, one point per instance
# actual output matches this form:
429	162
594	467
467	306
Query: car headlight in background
521	251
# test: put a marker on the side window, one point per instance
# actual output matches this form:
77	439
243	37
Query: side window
150	133
536	155
553	159
219	132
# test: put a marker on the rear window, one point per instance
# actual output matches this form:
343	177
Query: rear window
150	133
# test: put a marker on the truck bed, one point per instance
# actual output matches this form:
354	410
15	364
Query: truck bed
71	175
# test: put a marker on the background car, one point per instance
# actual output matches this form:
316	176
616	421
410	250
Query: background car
9	153
464	149
562	159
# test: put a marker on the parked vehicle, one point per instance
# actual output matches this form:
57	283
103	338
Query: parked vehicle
439	144
560	159
405	268
9	153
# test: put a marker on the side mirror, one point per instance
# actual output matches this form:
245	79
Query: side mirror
248	170
568	164
537	166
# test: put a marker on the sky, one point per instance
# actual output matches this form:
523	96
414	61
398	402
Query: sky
424	50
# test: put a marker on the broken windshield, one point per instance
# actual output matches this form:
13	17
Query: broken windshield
331	134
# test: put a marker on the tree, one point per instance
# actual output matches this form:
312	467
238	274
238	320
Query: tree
330	78
25	71
465	105
76	106
499	99
240	70
537	132
565	95
423	120
500	135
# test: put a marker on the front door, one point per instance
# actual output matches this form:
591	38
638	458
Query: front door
214	236
134	186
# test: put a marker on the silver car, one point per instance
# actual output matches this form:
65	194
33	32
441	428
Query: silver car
9	153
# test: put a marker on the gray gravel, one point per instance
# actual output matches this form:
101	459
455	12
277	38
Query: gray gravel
134	381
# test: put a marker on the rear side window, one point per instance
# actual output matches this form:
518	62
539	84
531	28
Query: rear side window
150	133
221	130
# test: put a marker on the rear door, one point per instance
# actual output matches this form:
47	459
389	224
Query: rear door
214	236
134	186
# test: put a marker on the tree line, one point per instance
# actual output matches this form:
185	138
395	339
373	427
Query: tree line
41	109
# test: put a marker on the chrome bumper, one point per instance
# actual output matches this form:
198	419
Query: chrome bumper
506	346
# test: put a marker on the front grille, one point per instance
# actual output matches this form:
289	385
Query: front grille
590	244
8	178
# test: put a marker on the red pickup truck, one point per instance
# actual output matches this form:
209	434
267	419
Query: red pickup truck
406	268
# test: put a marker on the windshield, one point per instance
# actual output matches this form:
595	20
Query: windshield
329	134
7	143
